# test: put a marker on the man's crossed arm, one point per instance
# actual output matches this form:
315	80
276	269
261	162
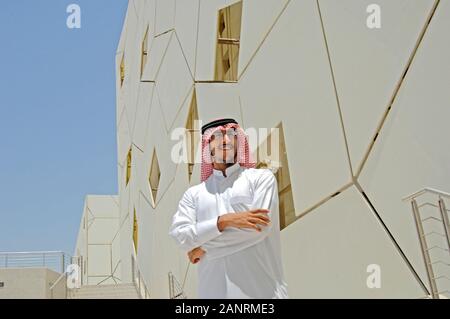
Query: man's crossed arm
230	232
251	220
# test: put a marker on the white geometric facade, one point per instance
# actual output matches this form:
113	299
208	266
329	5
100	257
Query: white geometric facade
98	241
365	116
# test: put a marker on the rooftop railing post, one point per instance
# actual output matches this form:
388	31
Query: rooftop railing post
80	268
445	221
139	281
170	286
132	269
425	252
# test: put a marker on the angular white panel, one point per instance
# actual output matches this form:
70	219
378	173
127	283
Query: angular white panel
115	254
142	113
157	138
165	14
132	206
132	62
121	185
93	281
182	114
139	6
207	37
180	124
186	22
334	245
258	16
165	249
99	260
124	203
103	230
172	93
218	100
138	175
295	86
123	34
149	144
177	189
146	251
123	139
103	206
412	150
146	23
368	63
120	99
149	16
117	272
155	56
126	249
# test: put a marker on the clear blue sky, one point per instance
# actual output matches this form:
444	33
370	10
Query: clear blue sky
57	120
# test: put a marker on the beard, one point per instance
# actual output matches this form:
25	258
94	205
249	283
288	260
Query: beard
226	156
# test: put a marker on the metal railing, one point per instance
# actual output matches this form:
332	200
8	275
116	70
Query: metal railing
176	290
138	280
55	260
443	220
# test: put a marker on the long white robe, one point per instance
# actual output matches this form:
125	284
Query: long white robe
238	263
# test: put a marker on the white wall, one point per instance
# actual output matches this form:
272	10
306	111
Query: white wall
98	241
30	283
331	97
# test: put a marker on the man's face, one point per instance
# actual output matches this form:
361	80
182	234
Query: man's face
223	145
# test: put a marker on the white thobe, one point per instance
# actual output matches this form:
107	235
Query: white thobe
239	262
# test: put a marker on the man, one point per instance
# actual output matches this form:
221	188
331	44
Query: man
229	223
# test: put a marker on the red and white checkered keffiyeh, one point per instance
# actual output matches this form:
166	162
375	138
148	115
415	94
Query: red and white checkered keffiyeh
243	151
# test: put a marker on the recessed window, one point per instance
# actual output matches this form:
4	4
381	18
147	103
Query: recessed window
122	70
128	174
192	134
279	164
154	176
135	231
144	51
228	41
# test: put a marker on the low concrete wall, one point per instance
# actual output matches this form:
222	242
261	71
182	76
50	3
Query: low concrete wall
29	283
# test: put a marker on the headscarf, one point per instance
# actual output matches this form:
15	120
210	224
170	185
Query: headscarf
243	151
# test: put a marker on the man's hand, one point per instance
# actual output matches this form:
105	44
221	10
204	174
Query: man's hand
247	219
195	254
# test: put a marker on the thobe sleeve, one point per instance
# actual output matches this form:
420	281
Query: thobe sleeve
187	232
236	239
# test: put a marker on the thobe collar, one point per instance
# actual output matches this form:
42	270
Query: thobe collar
228	171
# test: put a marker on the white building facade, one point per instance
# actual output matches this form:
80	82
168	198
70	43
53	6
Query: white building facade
363	120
